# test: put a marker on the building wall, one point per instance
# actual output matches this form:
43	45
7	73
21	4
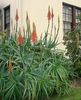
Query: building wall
73	2
37	11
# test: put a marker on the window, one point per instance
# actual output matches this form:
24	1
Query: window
78	12
1	21
70	14
67	18
7	17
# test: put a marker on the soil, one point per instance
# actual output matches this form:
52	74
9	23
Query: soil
76	83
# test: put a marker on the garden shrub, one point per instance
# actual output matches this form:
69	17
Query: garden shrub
32	69
73	46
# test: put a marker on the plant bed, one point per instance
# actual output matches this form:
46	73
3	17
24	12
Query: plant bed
32	69
76	83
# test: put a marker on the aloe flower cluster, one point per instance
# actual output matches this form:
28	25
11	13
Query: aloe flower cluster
50	14
32	35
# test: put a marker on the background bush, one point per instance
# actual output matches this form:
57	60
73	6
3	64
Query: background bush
73	46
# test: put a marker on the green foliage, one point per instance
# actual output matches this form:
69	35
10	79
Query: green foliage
39	70
33	71
73	46
74	95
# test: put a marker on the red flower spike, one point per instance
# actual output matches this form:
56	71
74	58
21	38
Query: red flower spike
10	65
20	38
27	19
11	21
27	16
17	17
49	14
34	34
34	27
23	30
52	15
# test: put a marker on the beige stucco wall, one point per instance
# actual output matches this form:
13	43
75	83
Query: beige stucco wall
37	10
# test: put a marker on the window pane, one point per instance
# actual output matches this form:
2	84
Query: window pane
67	18
78	12
70	18
7	17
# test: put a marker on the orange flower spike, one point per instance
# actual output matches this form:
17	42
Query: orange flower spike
12	23
24	31
52	15
10	65
27	18
34	34
49	14
20	38
17	16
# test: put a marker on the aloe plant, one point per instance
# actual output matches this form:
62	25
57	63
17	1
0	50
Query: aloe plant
32	69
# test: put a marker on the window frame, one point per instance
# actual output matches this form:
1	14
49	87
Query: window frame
5	17
74	8
1	21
